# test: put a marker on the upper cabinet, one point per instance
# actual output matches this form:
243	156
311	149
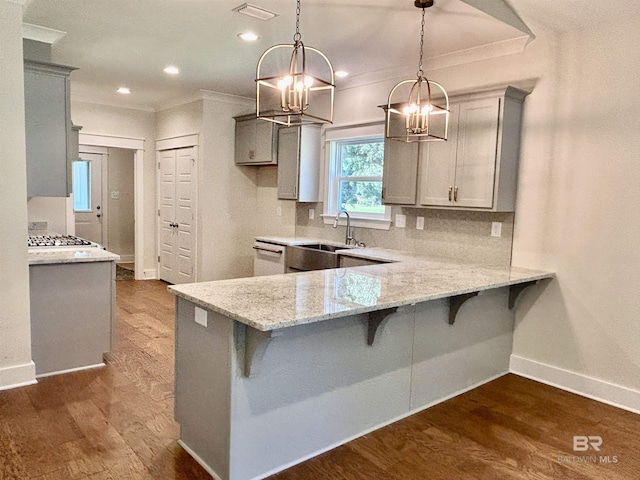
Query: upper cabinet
475	169
256	141
49	142
299	163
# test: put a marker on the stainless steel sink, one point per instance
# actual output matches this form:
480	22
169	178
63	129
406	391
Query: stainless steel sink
317	256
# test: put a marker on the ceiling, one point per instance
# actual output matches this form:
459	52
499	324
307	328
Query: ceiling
128	43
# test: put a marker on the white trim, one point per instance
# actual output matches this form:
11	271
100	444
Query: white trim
39	33
226	98
593	388
373	223
17	376
24	3
92	149
89	141
70	370
372	429
94	139
126	259
182	141
149	274
199	460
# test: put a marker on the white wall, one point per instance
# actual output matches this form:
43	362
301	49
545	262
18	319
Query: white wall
578	215
121	210
16	366
125	122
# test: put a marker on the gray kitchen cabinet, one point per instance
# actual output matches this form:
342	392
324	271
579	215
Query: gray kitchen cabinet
475	169
299	163
256	141
47	129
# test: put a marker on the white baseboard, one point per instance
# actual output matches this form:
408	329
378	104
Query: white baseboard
149	274
127	258
199	460
593	388
17	376
70	370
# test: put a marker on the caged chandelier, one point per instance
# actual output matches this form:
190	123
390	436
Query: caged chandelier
304	93
425	115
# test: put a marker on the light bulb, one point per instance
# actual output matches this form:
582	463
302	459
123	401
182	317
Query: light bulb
284	82
299	86
308	81
409	109
426	110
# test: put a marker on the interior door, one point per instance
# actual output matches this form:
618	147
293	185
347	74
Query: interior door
177	215
87	187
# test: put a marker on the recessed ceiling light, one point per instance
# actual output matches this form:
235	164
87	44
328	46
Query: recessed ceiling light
124	91
248	36
171	70
341	73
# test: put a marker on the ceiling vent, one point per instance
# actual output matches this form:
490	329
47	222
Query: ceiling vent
255	12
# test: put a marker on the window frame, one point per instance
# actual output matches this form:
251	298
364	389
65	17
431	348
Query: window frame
340	136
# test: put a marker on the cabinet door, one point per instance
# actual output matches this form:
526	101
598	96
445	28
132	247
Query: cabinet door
400	171
476	159
288	162
245	142
46	127
438	166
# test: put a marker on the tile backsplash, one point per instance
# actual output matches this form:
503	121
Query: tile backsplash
461	235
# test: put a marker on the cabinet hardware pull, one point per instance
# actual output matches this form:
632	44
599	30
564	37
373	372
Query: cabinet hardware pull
455	194
450	191
279	252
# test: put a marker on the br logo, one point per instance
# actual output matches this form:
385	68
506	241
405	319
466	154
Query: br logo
583	443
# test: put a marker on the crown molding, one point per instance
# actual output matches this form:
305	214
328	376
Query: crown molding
24	3
41	34
227	98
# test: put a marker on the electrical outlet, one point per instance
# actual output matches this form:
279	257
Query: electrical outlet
401	220
419	223
278	211
201	316
312	214
496	229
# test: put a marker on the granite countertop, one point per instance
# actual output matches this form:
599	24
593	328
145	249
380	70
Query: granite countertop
47	256
279	301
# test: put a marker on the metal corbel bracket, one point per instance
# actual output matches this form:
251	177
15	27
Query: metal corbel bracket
516	290
456	302
375	320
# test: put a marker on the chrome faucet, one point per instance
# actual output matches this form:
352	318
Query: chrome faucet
347	237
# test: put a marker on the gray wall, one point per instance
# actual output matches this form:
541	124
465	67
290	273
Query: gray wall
121	227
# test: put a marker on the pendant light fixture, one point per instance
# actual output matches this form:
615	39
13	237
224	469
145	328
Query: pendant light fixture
301	94
418	110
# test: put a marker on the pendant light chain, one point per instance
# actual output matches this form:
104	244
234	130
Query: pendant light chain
420	72
297	37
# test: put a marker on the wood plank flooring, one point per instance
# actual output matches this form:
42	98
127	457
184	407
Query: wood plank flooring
117	422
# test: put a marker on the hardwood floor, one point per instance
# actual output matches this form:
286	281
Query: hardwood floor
117	422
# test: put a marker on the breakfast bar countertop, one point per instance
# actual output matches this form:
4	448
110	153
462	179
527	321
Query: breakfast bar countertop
280	301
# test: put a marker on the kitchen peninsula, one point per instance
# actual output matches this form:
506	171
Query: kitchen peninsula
273	370
72	294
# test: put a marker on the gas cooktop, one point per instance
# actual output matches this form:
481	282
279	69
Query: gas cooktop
58	241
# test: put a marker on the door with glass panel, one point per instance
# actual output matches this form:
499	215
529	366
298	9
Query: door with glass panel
87	196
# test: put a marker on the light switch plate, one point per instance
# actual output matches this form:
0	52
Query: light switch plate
419	223
115	195
312	214
278	211
496	229
401	220
201	316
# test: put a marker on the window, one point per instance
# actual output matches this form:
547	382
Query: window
82	186
355	179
